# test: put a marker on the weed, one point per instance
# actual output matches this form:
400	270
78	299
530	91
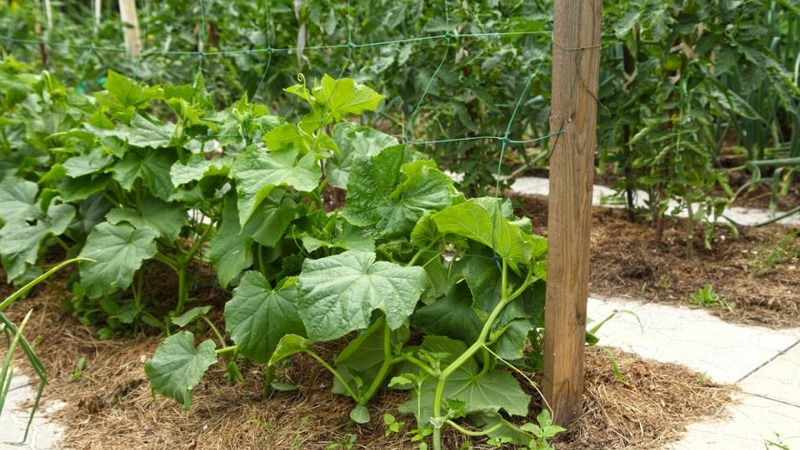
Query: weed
77	374
705	297
779	445
785	250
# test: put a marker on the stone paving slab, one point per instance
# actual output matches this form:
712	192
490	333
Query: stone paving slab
779	380
43	435
725	352
753	423
601	195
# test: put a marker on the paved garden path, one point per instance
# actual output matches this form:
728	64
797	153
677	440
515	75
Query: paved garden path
764	363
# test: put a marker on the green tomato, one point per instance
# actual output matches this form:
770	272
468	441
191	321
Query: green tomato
672	63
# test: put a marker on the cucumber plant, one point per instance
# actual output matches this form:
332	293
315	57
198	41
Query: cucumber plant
434	292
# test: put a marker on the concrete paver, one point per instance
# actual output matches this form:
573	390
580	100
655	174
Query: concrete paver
600	195
779	380
725	352
43	435
752	424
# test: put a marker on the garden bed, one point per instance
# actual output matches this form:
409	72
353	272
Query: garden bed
648	409
109	404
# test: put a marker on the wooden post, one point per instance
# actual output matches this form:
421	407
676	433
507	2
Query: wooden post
130	31
98	6
573	122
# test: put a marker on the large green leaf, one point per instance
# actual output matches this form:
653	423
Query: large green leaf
118	252
18	200
392	196
258	317
346	96
199	167
482	220
177	366
88	163
339	293
20	241
353	141
450	316
329	230
230	250
271	218
122	93
144	133
258	172
151	166
166	219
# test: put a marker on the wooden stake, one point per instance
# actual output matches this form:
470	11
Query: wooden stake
573	121
130	23
98	6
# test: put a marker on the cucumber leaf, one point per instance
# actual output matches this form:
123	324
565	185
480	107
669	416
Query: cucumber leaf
385	192
166	219
289	345
482	220
230	250
18	200
475	391
354	142
339	293
177	366
258	317
199	167
258	172
151	166
118	251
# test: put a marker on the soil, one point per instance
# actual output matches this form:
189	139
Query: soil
110	406
758	269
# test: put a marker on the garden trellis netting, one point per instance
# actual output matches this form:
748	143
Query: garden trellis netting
454	74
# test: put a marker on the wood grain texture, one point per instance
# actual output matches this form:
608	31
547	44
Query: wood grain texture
573	121
130	31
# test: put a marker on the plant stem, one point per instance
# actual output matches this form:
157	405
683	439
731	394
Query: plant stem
231	348
183	293
469	353
215	330
467	432
387	364
334	372
24	290
417	362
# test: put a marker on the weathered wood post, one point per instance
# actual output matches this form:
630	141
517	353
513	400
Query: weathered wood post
573	121
130	24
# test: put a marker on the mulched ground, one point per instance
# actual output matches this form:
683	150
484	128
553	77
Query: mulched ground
110	406
759	270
